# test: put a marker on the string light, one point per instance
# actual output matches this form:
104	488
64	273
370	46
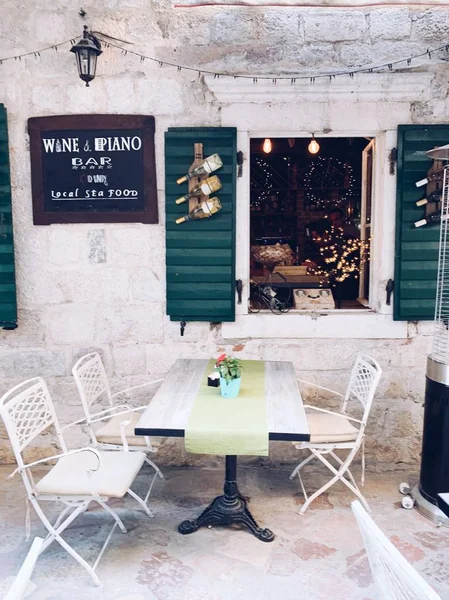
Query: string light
328	172
341	256
37	53
266	185
311	78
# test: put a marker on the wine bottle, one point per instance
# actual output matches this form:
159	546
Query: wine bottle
433	197
296	261
209	165
434	176
206	187
202	211
434	217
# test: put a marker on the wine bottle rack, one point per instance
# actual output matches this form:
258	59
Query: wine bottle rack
198	158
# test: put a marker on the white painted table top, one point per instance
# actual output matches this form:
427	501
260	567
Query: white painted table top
169	410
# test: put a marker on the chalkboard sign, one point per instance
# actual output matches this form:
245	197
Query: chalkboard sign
93	169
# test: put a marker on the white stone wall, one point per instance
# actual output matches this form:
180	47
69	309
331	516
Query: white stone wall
83	287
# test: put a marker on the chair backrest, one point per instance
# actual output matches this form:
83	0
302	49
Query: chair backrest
91	380
365	377
27	410
393	575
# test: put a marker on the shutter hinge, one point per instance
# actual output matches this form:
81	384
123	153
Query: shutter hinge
389	289
239	163
2	226
393	158
239	288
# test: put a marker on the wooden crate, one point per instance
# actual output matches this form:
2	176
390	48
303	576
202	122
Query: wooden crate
313	299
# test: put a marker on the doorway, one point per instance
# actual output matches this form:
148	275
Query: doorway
310	222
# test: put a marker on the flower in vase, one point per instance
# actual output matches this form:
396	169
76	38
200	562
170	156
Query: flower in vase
228	367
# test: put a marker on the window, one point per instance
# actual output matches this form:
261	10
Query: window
310	223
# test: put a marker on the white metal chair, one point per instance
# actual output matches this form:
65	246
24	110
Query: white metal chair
393	575
330	431
78	478
118	431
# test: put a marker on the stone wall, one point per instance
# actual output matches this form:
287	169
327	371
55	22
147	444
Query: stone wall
84	287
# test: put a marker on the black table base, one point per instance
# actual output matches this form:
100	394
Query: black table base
227	509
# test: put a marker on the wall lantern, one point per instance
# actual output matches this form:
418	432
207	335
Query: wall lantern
267	146
86	52
314	146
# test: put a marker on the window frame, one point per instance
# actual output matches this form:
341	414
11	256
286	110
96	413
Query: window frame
377	322
370	143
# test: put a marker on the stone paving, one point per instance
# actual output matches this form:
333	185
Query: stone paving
316	556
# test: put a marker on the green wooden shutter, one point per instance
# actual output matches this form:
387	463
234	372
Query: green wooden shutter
416	254
8	305
200	255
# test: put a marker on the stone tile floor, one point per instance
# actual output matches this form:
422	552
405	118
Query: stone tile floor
316	556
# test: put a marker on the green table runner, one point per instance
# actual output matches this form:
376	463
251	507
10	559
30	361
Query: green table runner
237	426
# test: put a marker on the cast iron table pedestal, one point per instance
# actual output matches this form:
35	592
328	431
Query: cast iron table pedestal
229	508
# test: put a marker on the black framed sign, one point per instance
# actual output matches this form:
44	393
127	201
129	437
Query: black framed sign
93	169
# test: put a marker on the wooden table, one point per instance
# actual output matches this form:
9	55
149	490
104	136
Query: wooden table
168	414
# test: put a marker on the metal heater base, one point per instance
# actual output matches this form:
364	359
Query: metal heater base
427	509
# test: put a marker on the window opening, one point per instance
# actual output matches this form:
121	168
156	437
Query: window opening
310	224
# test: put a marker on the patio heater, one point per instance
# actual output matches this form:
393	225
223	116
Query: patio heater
434	473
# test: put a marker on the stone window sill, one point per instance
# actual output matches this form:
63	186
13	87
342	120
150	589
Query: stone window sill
342	324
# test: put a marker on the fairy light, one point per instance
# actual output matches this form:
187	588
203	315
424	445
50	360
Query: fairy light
342	257
265	171
328	172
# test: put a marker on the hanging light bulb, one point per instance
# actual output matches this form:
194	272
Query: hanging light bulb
314	146
267	146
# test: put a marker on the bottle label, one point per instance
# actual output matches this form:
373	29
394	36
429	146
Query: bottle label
212	184
421	182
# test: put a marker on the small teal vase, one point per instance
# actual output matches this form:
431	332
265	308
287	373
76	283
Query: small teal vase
231	389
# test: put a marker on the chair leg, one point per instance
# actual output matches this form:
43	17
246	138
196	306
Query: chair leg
340	462
311	498
155	467
339	475
150	488
113	514
54	534
304	493
158	473
300	466
58	521
141	502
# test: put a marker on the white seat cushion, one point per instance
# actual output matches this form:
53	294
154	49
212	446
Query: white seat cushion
69	477
330	428
109	433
